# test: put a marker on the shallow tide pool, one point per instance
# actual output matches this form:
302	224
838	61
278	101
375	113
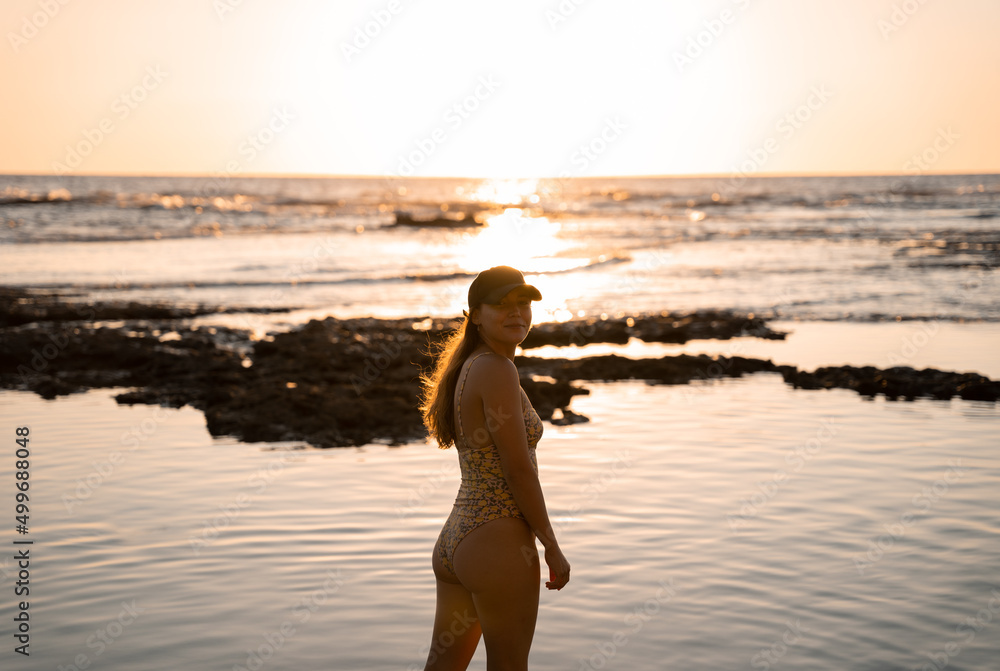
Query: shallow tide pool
733	524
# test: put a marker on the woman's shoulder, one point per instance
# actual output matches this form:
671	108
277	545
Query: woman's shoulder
493	367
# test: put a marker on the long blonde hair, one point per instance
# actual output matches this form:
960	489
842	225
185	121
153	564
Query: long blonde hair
437	404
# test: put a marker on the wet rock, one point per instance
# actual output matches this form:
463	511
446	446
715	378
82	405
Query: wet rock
550	398
679	369
22	306
704	325
577	332
668	328
901	382
567	417
351	382
460	220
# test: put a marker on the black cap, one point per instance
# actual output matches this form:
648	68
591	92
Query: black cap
490	286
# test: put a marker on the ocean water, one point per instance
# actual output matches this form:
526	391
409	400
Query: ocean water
731	524
847	248
737	524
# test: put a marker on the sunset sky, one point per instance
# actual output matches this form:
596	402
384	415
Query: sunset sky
502	89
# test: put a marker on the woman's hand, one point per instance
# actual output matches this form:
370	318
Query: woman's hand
558	568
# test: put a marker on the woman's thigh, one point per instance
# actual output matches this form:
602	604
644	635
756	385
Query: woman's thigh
498	564
456	632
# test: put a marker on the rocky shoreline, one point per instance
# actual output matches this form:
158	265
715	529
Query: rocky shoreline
343	382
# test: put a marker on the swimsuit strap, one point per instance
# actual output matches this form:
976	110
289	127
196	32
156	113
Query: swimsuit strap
461	388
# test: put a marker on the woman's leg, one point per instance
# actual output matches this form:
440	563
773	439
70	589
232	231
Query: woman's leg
456	626
498	564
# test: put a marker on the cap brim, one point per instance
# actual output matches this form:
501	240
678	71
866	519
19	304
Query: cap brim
497	294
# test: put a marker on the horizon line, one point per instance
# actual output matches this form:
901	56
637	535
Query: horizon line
317	175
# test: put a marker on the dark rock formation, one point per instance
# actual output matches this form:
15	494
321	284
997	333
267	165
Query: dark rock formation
899	382
668	328
18	306
356	381
460	220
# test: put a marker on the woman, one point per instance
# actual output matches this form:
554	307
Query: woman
485	559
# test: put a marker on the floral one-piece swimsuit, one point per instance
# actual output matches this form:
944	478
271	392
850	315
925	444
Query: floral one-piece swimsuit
484	494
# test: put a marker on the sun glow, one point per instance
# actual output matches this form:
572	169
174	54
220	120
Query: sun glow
513	239
533	246
507	192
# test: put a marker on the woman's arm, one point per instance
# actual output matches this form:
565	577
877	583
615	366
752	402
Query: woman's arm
501	394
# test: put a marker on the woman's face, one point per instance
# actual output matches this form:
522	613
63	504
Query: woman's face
506	322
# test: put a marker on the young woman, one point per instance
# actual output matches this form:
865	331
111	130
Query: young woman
485	559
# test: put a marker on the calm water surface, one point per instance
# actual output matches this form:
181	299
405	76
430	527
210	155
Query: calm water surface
739	524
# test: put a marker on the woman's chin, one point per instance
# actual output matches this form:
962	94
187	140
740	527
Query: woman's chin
519	332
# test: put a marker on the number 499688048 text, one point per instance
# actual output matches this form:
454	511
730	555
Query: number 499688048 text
21	476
